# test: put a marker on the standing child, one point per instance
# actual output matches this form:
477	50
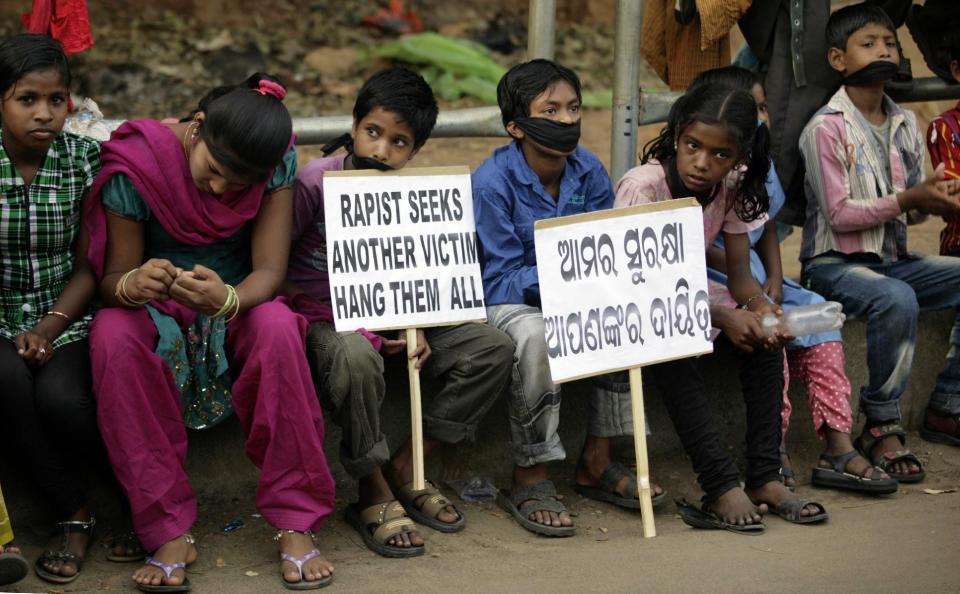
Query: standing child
864	159
467	366
943	141
45	289
189	234
711	132
816	360
544	174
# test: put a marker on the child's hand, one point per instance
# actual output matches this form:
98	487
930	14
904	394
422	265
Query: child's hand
779	339
33	348
773	287
200	289
742	327
392	346
422	352
151	281
935	195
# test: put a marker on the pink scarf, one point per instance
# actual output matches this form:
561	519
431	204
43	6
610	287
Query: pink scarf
152	157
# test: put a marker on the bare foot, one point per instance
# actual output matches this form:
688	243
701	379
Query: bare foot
374	490
178	550
401	466
76	543
838	444
775	494
298	544
523	477
734	507
10	548
595	459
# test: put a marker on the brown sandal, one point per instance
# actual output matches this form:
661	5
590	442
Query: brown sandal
431	504
390	520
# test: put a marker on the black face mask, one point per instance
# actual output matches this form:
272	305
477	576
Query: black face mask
875	72
346	141
553	135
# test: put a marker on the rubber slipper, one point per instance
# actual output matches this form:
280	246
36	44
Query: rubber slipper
540	497
698	517
838	478
167	571
872	436
790	511
13	568
303	584
391	520
606	490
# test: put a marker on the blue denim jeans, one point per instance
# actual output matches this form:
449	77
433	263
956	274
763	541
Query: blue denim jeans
890	295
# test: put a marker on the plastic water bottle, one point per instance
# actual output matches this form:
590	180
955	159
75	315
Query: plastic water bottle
474	489
806	319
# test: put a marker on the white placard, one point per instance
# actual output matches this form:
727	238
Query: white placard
402	248
623	288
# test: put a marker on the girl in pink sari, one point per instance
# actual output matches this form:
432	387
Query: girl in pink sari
189	236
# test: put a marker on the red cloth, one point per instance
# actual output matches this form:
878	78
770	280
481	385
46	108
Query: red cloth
64	20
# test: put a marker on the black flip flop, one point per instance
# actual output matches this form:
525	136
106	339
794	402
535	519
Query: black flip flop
838	478
13	568
606	491
698	517
790	511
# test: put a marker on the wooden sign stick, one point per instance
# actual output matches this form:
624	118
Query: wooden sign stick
640	446
416	416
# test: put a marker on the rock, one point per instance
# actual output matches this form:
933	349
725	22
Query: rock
232	65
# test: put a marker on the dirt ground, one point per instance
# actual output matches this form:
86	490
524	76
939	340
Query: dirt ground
906	542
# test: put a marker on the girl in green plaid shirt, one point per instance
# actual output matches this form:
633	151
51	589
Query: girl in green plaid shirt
45	289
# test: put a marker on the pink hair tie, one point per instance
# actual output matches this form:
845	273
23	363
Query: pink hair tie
268	87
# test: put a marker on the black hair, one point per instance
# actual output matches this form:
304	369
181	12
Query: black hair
403	92
246	131
848	20
734	77
25	53
718	104
524	82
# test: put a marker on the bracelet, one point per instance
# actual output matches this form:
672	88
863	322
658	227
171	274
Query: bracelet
236	299
746	304
120	291
231	302
59	314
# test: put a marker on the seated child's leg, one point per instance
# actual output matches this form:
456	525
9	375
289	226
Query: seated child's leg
534	399
821	368
468	369
761	379
681	387
890	308
348	376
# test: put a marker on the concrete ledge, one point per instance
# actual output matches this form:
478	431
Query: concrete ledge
221	473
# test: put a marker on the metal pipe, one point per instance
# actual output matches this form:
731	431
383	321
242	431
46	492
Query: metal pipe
541	29
485	121
626	88
927	89
459	123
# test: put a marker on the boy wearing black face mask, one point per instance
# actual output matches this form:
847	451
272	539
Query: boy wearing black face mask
864	161
463	368
543	174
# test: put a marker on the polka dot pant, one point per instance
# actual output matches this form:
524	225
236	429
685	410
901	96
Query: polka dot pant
820	369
